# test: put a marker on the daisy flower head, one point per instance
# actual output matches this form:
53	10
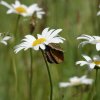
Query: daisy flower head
90	40
47	37
22	9
91	62
4	39
35	10
76	81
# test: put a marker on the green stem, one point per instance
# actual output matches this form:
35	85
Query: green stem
95	85
17	22
96	81
51	85
31	73
13	58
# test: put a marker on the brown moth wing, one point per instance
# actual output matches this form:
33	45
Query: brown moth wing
55	46
57	55
54	53
48	55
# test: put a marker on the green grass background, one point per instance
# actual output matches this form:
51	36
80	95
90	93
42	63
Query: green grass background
75	17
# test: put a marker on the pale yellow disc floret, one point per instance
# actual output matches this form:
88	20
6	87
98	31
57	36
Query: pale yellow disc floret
38	41
97	62
20	9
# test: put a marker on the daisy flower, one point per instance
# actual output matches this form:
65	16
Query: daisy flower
91	62
23	10
4	39
76	81
90	39
47	37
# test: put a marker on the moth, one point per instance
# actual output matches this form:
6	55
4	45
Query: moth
54	53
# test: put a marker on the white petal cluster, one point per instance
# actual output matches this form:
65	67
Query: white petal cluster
91	40
26	43
4	39
51	36
76	81
92	63
23	10
47	36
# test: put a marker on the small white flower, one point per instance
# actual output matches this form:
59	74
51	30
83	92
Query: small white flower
76	81
90	39
4	39
92	63
47	36
35	9
23	10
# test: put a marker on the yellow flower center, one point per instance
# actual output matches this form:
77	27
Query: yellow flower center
38	41
97	62
20	9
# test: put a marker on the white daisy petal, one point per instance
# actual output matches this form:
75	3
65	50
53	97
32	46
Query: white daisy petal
87	58
36	48
64	84
45	31
91	66
18	48
97	37
6	38
98	46
10	11
4	42
76	81
87	81
55	33
83	43
39	36
82	63
48	33
42	46
98	13
6	4
82	37
17	3
86	37
56	40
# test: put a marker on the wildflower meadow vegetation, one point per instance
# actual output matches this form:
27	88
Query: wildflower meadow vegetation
49	49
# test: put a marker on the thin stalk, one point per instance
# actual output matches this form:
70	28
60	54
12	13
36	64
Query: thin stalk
31	73
13	58
16	27
95	85
51	85
96	81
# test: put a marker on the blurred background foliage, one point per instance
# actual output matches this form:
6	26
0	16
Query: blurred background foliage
75	17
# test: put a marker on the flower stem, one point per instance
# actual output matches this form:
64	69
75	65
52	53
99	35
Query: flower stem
16	27
51	85
30	79
96	85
